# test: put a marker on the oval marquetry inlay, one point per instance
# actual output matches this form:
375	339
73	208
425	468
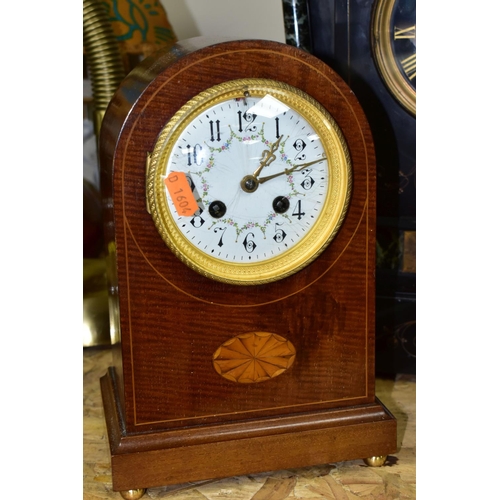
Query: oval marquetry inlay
254	357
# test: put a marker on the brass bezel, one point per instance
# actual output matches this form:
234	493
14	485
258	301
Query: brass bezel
399	87
321	233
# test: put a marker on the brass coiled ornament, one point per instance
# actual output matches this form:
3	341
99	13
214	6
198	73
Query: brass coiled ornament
106	71
103	55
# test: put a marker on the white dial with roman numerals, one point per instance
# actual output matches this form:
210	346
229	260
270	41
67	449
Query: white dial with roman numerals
249	181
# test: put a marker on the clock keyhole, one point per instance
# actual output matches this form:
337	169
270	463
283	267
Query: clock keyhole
281	204
217	209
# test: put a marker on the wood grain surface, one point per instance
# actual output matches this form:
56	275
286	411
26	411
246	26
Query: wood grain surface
348	480
166	404
173	319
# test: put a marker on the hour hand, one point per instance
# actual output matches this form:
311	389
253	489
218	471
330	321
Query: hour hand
268	156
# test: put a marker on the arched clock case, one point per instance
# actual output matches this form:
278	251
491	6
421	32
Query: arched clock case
242	325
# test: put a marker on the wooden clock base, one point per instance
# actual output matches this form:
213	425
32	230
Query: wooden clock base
257	445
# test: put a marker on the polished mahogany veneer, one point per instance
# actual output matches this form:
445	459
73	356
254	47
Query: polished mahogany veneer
173	414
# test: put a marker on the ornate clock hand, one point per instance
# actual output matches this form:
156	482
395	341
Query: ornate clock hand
287	171
250	183
268	156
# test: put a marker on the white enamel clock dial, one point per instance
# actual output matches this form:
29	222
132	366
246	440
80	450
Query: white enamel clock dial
249	181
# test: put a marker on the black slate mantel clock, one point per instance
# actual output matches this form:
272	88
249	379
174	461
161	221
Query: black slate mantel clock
239	194
394	46
372	46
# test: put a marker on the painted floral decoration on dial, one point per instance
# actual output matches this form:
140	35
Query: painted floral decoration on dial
249	181
258	172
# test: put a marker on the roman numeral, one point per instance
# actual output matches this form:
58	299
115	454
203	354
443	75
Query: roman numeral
400	33
410	66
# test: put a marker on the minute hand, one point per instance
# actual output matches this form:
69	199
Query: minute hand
288	171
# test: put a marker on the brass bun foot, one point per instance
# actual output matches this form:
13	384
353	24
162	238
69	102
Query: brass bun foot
133	494
375	461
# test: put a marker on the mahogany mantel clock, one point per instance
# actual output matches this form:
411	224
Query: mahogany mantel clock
239	185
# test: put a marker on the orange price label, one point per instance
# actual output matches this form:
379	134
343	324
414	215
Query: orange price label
181	194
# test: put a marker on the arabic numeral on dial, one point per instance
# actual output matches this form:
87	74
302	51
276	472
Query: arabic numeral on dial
197	221
308	181
279	235
249	119
194	156
221	230
216	131
299	146
248	243
297	211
